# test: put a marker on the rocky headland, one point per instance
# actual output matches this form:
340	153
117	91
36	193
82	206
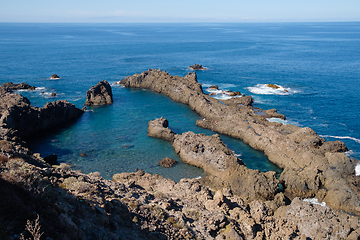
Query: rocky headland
72	205
311	166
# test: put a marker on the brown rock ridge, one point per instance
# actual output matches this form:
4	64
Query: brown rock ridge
100	94
309	168
222	168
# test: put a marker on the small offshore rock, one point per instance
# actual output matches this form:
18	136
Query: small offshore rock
54	76
197	67
167	162
83	154
53	94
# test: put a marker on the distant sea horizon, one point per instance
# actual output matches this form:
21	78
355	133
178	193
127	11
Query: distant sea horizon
317	62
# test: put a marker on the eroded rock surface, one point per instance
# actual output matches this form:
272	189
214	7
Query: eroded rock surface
297	150
100	94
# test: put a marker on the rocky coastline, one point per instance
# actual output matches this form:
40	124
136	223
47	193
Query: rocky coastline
311	166
73	205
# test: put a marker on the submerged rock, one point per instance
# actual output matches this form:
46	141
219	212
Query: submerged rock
100	94
167	162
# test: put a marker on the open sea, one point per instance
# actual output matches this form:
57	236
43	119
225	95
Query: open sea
318	63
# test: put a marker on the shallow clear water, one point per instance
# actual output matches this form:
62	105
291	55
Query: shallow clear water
318	63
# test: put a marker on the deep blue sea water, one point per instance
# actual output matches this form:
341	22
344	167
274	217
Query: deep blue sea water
318	63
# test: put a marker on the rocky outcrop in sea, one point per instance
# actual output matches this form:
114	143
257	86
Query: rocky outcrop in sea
100	94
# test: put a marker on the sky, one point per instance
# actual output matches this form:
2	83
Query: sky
114	11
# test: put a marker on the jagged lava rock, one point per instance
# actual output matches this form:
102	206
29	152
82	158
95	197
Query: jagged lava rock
100	94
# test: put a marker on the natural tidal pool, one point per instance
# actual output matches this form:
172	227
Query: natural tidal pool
113	139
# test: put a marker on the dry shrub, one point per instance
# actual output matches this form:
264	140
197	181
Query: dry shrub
34	229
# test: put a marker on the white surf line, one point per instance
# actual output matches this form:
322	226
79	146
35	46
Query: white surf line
342	137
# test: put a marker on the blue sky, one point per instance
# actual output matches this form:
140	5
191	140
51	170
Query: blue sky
178	11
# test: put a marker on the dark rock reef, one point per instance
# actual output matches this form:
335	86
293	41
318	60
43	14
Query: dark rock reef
309	169
100	94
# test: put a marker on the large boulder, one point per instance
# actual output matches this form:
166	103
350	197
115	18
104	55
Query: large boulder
100	94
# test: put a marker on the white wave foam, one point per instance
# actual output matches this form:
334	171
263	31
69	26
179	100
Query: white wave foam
349	153
342	137
237	155
199	177
220	94
279	120
264	89
314	201
40	88
357	169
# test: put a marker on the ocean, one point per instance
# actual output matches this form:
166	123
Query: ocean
317	63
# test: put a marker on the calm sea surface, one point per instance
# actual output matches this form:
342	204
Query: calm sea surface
318	63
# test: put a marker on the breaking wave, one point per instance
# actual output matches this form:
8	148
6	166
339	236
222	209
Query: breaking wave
266	89
341	137
279	120
357	169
